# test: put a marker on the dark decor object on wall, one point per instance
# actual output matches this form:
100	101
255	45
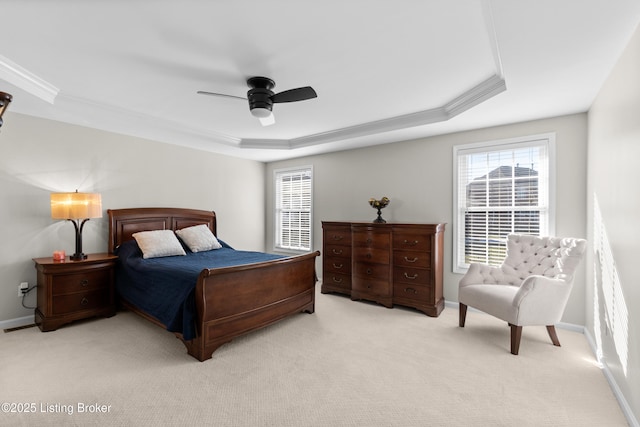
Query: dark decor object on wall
5	99
379	204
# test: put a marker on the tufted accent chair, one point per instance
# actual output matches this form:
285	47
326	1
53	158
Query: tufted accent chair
531	287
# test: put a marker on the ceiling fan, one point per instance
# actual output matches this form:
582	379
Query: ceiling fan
261	98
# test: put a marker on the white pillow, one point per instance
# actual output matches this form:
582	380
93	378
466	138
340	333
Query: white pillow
158	243
199	238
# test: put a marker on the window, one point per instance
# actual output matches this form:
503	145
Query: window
293	208
501	187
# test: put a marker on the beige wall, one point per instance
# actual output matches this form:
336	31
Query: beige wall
40	156
417	177
614	155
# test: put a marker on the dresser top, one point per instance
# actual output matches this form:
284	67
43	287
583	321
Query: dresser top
396	225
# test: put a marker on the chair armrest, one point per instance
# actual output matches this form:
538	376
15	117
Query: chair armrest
541	300
478	274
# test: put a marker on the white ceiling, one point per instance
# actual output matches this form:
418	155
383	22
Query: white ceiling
384	71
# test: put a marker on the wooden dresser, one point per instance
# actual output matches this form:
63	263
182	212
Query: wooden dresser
386	263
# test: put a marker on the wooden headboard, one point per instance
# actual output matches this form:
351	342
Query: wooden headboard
124	222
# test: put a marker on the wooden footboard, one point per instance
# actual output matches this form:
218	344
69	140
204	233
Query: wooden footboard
230	301
237	300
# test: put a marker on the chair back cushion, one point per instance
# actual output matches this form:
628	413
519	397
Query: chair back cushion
554	257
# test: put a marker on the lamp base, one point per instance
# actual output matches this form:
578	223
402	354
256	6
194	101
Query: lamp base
77	257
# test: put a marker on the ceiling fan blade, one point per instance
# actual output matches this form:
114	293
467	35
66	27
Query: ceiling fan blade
202	92
293	95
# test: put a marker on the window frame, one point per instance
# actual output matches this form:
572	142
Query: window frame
459	233
277	239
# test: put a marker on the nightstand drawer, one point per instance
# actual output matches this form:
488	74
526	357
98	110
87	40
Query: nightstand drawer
79	282
64	304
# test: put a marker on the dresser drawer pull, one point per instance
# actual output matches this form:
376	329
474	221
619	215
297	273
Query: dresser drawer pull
369	256
409	243
369	241
337	251
415	276
84	301
84	282
411	260
337	237
369	271
410	290
337	266
337	279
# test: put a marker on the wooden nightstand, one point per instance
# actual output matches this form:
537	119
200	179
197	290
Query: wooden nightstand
72	290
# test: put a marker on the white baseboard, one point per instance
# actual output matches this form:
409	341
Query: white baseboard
17	322
624	405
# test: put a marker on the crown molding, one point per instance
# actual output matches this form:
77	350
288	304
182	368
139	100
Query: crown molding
27	81
469	99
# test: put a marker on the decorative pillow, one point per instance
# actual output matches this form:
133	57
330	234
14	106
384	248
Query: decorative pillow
158	243
199	238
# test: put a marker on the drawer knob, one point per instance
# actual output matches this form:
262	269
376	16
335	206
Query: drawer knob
415	276
84	282
337	237
369	271
337	266
84	301
410	290
410	260
410	243
337	251
368	256
337	279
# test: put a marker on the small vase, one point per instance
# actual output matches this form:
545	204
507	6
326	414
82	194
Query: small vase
379	220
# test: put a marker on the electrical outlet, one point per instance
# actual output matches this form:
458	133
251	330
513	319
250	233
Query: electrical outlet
22	288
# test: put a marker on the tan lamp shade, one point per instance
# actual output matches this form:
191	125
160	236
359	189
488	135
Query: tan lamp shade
76	205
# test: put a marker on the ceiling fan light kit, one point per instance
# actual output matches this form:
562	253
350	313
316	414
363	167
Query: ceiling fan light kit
261	98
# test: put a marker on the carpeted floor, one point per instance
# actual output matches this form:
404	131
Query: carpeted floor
348	364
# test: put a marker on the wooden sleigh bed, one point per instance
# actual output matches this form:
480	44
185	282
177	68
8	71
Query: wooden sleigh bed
229	301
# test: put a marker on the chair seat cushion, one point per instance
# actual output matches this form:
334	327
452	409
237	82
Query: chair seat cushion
494	299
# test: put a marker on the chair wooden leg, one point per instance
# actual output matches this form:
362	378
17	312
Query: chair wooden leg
552	334
516	334
462	315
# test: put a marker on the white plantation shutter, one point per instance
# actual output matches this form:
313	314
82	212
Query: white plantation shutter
501	188
293	208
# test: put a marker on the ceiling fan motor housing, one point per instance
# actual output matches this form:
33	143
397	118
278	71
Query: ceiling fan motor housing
260	95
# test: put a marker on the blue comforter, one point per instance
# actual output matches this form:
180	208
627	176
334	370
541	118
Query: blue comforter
164	287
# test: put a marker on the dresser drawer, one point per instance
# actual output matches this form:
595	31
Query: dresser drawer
371	286
337	235
334	264
64	304
417	240
366	270
372	255
337	280
418	276
371	239
411	294
337	250
411	259
82	281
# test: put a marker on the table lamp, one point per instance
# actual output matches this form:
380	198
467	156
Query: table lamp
77	208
